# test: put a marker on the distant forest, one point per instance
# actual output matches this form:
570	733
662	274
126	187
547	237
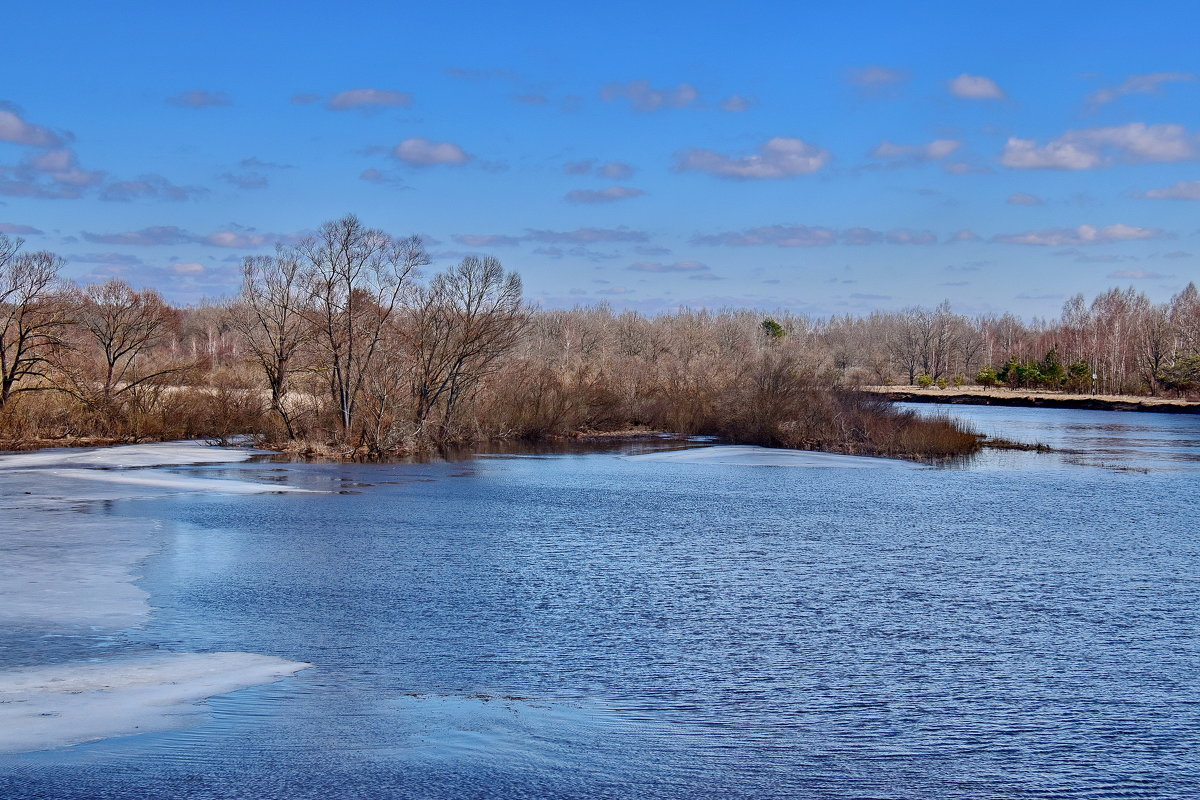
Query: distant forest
338	345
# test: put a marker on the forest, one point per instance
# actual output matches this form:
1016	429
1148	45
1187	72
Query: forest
339	346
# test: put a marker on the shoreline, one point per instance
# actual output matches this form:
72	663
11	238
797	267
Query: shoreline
982	396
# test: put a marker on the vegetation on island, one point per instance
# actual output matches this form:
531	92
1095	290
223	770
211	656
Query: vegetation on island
338	346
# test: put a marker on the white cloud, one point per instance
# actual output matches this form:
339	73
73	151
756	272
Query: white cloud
586	236
1059	154
1084	234
50	174
171	235
1137	84
737	103
418	152
907	236
813	236
876	79
779	157
1137	275
931	151
1101	147
643	97
245	180
16	130
368	99
976	87
613	170
158	235
964	235
1183	190
1024	199
149	186
240	238
778	235
381	178
609	195
486	240
14	228
678	266
200	98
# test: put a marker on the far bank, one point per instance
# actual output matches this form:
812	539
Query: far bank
987	396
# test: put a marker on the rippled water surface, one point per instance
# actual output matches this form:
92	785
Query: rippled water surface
596	626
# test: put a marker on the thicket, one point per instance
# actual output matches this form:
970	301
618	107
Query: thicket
339	346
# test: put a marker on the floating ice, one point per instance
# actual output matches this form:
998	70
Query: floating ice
754	456
64	570
64	704
167	480
157	454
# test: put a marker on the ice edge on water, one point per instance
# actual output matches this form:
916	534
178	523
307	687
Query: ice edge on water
63	571
65	704
754	456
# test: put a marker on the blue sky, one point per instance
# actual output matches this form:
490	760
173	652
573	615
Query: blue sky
811	157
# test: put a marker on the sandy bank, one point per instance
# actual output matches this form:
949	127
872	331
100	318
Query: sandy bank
986	396
64	704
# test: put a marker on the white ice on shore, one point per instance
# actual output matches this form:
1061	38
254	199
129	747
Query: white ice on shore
63	704
754	456
156	454
64	568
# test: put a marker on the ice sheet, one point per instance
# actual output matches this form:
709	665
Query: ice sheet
63	571
156	454
68	565
64	704
166	480
751	455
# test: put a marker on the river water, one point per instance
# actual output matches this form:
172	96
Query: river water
594	625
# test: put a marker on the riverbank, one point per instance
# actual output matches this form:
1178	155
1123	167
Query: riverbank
988	396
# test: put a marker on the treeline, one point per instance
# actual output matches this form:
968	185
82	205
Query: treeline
1130	344
338	345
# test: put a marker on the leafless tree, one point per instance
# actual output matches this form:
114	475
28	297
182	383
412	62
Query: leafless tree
32	318
461	324
357	277
276	291
1157	342
123	325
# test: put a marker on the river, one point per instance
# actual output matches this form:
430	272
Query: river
590	625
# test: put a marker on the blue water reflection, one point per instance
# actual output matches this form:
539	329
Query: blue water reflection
594	626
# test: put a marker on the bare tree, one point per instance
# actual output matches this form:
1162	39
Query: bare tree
32	317
1157	341
1185	317
124	324
271	317
461	324
358	274
907	342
